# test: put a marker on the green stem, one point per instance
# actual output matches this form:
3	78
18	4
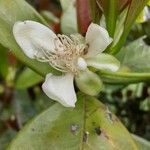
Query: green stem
124	78
111	16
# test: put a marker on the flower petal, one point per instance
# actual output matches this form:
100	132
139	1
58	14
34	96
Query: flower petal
89	82
61	89
97	39
34	37
104	62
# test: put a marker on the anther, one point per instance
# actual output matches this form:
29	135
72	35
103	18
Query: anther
85	51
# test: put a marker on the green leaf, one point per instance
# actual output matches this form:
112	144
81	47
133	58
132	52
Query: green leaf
27	78
119	27
68	18
134	9
3	61
142	143
19	10
5	138
89	125
136	56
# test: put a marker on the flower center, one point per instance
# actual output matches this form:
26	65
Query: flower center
67	56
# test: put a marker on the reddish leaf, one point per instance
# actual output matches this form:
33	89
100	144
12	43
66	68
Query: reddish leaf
83	16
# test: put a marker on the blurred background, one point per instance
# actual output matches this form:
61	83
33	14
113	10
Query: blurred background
21	100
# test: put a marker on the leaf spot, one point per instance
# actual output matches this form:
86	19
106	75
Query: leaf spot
85	136
74	129
98	131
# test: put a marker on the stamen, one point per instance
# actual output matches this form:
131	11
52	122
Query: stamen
85	51
67	51
57	46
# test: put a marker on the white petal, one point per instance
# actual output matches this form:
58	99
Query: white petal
104	62
61	89
32	37
97	39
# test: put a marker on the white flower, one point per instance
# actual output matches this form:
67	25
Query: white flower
69	54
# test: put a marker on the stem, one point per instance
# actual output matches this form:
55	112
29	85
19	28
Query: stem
83	16
135	7
111	16
123	78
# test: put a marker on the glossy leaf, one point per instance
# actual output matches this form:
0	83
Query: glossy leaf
10	12
89	125
136	56
6	137
119	27
27	78
142	143
134	9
